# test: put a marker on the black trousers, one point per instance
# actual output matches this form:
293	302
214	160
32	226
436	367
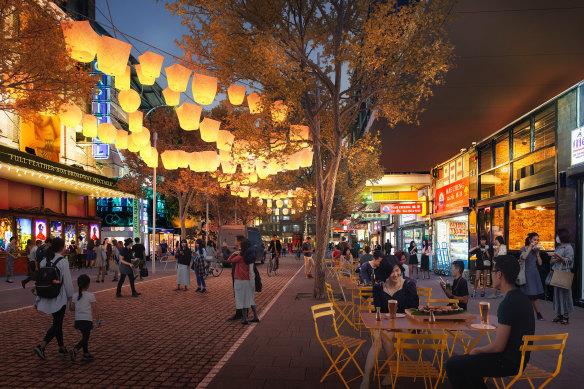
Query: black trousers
469	371
56	330
84	326
121	282
31	276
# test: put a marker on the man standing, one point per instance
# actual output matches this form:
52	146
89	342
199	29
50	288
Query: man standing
388	247
139	253
11	252
33	266
275	247
308	249
502	358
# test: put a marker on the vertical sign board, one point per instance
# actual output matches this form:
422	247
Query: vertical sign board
459	169
578	146
136	217
452	169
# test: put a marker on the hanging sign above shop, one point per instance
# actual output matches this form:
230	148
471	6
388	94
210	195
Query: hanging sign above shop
368	216
452	198
402	209
578	146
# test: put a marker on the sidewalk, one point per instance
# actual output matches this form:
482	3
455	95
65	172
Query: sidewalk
283	352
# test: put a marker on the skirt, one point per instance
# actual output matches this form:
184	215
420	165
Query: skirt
413	259
99	261
563	301
243	295
113	266
183	275
425	265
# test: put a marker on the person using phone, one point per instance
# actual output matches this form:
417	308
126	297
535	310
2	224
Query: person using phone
531	256
482	264
459	290
563	260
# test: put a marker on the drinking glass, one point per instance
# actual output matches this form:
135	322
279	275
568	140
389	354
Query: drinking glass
484	307
392	306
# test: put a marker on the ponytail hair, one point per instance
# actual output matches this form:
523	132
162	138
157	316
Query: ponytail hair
57	245
83	282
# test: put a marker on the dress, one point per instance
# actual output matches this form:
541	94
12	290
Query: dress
533	287
425	264
100	256
563	302
414	256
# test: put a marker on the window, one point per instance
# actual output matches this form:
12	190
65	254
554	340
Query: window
295	228
522	139
285	228
495	183
275	219
502	150
538	216
286	217
545	128
486	154
525	166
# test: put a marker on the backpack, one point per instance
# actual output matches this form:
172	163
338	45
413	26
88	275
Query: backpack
48	282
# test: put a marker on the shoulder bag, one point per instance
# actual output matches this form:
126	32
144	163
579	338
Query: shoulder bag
521	280
562	278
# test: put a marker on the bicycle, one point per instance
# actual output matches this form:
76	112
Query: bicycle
272	266
215	268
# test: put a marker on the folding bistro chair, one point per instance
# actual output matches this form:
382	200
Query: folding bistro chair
424	292
364	304
530	372
348	345
343	307
402	366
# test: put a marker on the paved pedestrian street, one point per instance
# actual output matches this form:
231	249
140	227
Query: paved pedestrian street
161	339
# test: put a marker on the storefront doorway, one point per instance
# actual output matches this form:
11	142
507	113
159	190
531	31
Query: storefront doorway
451	242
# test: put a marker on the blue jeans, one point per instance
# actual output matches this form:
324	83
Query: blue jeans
200	280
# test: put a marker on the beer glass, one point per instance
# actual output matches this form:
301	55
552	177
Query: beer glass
392	306
484	310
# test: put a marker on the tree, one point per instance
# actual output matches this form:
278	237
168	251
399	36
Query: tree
36	73
329	60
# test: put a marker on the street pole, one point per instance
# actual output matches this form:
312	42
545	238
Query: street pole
235	220
207	213
153	247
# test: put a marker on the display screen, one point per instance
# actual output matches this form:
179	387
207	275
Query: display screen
83	232
5	232
24	231
94	228
40	230
69	232
56	229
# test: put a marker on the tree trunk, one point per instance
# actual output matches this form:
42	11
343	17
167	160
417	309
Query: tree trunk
182	217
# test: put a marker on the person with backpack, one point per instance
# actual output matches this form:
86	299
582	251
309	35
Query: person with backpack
54	290
85	306
126	269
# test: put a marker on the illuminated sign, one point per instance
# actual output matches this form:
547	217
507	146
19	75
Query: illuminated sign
452	198
577	146
367	216
101	151
402	209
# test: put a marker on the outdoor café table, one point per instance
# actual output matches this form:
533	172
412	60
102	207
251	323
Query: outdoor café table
410	324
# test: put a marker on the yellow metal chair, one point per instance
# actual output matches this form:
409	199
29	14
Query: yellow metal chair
348	345
530	372
365	304
344	308
424	292
403	366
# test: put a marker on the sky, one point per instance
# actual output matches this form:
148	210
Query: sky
511	56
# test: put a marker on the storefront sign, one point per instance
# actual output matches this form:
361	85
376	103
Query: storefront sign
578	146
136	217
367	216
402	209
452	198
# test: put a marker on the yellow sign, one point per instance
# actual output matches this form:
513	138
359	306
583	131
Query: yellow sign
43	134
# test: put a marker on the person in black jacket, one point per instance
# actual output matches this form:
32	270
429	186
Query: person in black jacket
183	259
275	247
140	254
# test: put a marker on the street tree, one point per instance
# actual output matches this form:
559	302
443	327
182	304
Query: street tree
328	61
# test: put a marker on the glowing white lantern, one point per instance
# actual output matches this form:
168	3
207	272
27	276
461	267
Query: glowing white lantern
262	170
210	160
171	97
195	162
112	55
132	146
269	203
253	178
229	167
189	116
89	126
236	94
106	133
153	160
122	80
142	138
224	155
122	140
224	140
145	153
306	157
177	77
279	111
248	166
209	130
204	88
144	80
70	114
254	102
169	160
151	63
135	121
129	100
81	40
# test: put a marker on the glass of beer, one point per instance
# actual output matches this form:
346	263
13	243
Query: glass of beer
392	306
484	310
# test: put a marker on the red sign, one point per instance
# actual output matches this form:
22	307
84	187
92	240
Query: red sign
401	209
452	198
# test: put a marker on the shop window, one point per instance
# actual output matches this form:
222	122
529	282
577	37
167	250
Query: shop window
545	128
498	222
502	150
23	231
528	165
522	139
285	228
534	216
495	183
5	232
295	228
486	154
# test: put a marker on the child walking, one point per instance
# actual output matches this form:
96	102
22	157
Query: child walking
85	307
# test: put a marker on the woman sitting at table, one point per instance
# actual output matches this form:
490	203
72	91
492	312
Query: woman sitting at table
393	288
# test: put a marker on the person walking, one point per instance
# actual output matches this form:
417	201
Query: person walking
388	246
413	251
11	253
275	247
32	264
307	250
100	260
482	264
183	263
243	295
531	257
115	261
126	268
90	260
199	266
140	254
85	306
563	260
425	262
55	306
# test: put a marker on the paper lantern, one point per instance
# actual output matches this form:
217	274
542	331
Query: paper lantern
253	178
129	100
228	167
299	133
293	161
236	94
182	158
142	138
269	203
89	126
112	55
254	102
224	140
132	146
262	170
81	40
171	97
145	153
153	160
70	114
210	130
279	111
276	142
273	167
194	161
177	77
210	160
169	160
306	158
285	211
135	121
189	116
144	80
151	63
224	155
122	139
248	166
122	80
106	133
204	88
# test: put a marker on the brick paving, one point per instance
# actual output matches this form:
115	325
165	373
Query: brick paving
161	339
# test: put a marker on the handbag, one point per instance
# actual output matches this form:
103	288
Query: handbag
521	280
562	278
486	263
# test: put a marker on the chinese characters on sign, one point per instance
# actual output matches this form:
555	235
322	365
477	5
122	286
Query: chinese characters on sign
452	198
577	146
402	209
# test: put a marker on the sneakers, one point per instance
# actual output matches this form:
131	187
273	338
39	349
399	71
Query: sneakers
98	281
204	291
88	357
63	352
254	320
198	290
136	294
73	355
539	316
40	352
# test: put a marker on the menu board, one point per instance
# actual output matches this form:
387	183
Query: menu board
56	229
23	231
40	230
69	232
5	232
458	228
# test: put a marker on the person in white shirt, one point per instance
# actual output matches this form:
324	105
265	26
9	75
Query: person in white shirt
84	305
33	266
499	250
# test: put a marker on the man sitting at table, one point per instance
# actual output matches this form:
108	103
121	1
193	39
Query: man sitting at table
501	358
459	290
368	271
